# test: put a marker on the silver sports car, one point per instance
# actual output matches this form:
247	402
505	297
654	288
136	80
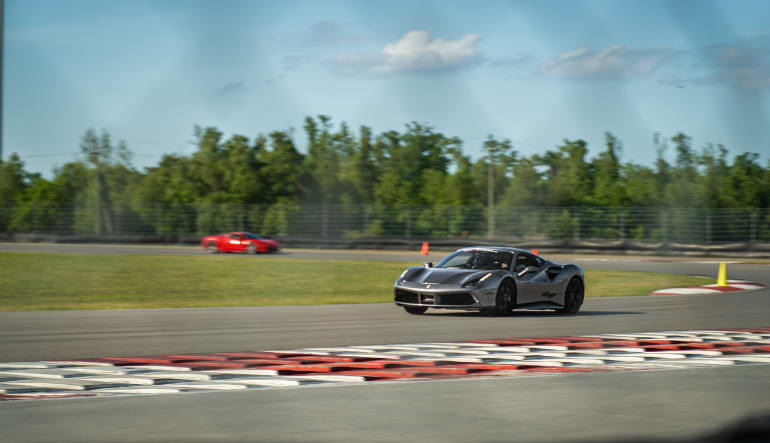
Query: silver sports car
493	280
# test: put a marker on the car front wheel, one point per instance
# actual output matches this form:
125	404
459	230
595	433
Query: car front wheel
505	300
573	297
252	248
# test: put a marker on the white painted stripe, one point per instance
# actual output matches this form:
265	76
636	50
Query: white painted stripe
468	352
453	359
622	358
536	355
136	391
242	371
384	348
685	291
99	371
415	353
40	385
192	376
23	365
156	368
689	353
747	286
30	374
553	363
62	363
373	355
120	380
652	356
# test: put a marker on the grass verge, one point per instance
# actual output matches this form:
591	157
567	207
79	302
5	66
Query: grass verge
36	281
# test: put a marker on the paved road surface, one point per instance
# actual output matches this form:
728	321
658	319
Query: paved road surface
671	403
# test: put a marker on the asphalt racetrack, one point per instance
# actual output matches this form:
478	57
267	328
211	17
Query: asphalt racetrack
642	404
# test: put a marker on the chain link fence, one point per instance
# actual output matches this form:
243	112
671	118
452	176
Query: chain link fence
701	226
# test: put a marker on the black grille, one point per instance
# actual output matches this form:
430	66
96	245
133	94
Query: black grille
452	298
406	297
456	298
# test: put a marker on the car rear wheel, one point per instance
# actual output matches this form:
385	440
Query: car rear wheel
252	248
212	248
505	300
573	297
416	310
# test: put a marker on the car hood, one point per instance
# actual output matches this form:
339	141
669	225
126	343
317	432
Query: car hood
443	275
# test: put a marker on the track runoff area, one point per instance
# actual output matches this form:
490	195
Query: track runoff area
298	368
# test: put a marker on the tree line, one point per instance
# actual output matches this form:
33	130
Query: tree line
418	168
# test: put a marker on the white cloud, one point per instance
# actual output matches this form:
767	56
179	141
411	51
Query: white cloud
417	51
617	62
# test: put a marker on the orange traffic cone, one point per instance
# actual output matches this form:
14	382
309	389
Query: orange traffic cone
536	252
424	250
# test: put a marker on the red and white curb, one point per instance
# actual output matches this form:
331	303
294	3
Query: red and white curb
229	371
732	286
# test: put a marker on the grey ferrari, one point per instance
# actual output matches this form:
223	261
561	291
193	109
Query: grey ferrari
494	280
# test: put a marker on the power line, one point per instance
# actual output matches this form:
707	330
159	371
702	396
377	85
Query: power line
15	145
50	154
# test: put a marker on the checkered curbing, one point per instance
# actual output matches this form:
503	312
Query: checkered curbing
732	286
229	371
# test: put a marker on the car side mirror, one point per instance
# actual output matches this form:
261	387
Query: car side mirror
429	264
527	270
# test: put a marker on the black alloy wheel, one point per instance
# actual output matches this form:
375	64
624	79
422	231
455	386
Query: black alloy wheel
573	297
505	300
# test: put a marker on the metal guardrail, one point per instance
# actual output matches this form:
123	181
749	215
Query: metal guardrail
328	222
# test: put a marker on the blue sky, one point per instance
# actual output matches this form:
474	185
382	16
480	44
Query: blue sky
535	72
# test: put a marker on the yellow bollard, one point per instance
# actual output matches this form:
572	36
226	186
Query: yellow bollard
722	277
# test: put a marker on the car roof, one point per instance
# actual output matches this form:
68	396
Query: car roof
495	248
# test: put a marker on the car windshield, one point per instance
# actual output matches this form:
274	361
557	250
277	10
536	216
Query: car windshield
477	259
253	236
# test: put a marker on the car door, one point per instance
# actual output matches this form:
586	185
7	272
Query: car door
532	286
233	242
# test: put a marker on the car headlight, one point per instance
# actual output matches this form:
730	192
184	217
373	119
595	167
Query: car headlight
476	282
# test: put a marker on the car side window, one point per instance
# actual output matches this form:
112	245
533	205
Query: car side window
523	260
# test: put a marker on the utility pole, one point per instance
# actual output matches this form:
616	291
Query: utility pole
2	44
490	190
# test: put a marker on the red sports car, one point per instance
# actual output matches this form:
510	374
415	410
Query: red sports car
238	242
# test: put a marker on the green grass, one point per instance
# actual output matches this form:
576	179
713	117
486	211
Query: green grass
36	281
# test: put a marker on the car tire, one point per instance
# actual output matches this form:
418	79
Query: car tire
573	297
252	249
505	301
415	310
212	248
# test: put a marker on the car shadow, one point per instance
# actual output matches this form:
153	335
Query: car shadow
529	313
